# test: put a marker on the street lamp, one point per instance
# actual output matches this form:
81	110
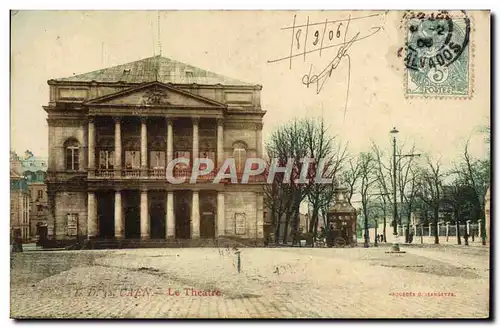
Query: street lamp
395	244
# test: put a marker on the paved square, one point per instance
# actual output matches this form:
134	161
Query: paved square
430	282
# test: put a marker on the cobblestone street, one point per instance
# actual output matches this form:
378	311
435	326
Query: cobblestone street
431	282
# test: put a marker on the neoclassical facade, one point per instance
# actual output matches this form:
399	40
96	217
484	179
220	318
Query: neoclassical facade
112	133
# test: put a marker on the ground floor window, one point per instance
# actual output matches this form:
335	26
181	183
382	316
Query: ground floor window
72	224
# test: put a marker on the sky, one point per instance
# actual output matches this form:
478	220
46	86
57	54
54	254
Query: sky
54	44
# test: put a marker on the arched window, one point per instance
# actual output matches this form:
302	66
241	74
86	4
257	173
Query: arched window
239	155
72	150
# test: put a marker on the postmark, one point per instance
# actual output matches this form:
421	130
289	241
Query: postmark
438	53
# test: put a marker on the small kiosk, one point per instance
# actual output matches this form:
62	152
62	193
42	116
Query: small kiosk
341	220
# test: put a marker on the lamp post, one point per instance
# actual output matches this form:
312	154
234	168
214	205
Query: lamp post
395	244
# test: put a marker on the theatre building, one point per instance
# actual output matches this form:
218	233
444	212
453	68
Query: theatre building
112	133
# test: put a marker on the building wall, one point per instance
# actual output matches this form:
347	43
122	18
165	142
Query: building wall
19	215
239	126
70	202
238	205
36	216
58	135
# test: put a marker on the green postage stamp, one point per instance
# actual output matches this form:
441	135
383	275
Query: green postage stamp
438	54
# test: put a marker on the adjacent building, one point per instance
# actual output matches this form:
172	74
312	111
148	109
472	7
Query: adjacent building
19	200
112	133
34	169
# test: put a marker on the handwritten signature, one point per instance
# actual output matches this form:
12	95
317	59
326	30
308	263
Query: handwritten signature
339	40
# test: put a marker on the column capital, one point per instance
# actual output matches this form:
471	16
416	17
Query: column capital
220	122
117	119
143	119
143	189
118	190
258	126
91	118
195	120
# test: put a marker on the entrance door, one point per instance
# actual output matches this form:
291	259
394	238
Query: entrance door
182	208
132	206
157	214
208	207
106	214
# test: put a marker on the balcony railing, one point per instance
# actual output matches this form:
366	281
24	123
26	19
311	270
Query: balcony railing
105	173
131	173
178	173
157	173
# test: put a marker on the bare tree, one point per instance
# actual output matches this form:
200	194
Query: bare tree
406	176
299	139
321	146
430	190
383	173
367	179
350	176
475	174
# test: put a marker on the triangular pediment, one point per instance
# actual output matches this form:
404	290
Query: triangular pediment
155	94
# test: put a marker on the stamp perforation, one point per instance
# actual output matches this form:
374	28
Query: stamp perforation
470	62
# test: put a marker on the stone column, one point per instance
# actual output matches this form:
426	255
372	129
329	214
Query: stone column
415	230
91	147
195	215
258	140
144	147
220	142
118	215
479	226
118	147
170	141
221	222
438	232
195	138
144	215
468	228
260	216
92	226
170	216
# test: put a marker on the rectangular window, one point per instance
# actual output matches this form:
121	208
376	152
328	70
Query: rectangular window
106	159
40	194
240	223
72	224
132	159
157	159
72	158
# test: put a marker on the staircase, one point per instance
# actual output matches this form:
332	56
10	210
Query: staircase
151	243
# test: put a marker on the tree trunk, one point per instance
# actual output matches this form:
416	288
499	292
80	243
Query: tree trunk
287	223
296	221
277	232
366	233
314	218
385	223
435	226
457	222
408	225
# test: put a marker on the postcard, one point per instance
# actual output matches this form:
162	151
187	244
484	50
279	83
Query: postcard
250	164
